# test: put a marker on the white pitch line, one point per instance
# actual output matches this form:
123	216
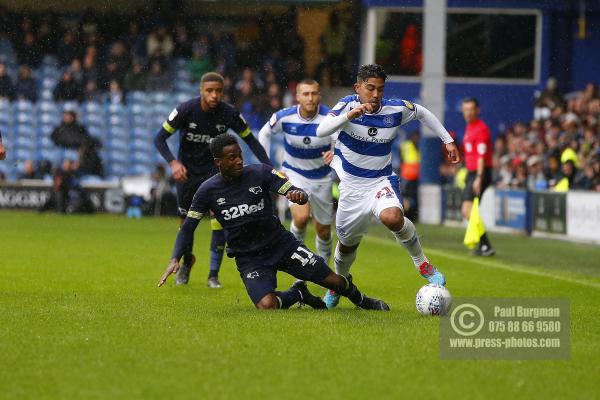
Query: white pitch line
494	264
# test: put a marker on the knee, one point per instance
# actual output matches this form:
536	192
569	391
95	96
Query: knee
268	302
323	231
392	218
347	249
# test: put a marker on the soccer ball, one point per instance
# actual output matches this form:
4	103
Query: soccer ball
433	299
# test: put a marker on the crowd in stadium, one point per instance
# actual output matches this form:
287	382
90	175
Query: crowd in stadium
559	149
101	60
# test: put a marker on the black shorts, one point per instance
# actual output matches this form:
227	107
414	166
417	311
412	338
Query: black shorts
187	190
259	273
486	181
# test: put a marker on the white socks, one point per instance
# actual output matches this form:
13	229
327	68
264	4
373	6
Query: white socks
343	261
324	248
298	234
407	237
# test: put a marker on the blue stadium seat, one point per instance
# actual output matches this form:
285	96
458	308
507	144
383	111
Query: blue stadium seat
119	132
70	106
54	155
48	107
138	108
26	130
115	143
92	107
23	154
46	94
118	120
140	169
24	106
71	155
136	97
117	170
49	119
45	130
159	97
116	109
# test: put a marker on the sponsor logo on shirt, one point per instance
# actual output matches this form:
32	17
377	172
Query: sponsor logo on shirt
255	189
372	132
241	210
306	140
221	128
221	201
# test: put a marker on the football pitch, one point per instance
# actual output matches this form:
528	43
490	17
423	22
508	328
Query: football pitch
81	318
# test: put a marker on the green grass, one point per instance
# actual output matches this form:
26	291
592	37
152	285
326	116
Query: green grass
81	318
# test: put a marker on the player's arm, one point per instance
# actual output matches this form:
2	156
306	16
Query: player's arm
264	137
160	142
240	126
270	128
185	236
427	118
2	150
279	184
480	149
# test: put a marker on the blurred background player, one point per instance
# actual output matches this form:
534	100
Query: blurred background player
478	161
2	150
368	124
199	120
256	239
303	162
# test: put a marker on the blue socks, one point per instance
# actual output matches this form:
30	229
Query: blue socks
217	246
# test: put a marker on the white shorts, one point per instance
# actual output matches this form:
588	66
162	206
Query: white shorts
358	209
320	198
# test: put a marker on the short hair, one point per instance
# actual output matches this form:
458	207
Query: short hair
220	142
471	100
212	77
370	71
307	81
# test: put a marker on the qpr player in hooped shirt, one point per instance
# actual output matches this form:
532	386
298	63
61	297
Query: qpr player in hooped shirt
366	124
303	162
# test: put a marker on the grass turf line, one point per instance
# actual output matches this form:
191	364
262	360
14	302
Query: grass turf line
82	318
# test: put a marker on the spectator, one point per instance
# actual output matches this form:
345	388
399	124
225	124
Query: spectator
199	65
183	45
91	92
28	52
135	41
136	78
26	87
536	179
28	170
115	93
158	81
120	56
111	73
68	48
76	71
70	134
68	89
89	162
7	89
90	69
160	39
